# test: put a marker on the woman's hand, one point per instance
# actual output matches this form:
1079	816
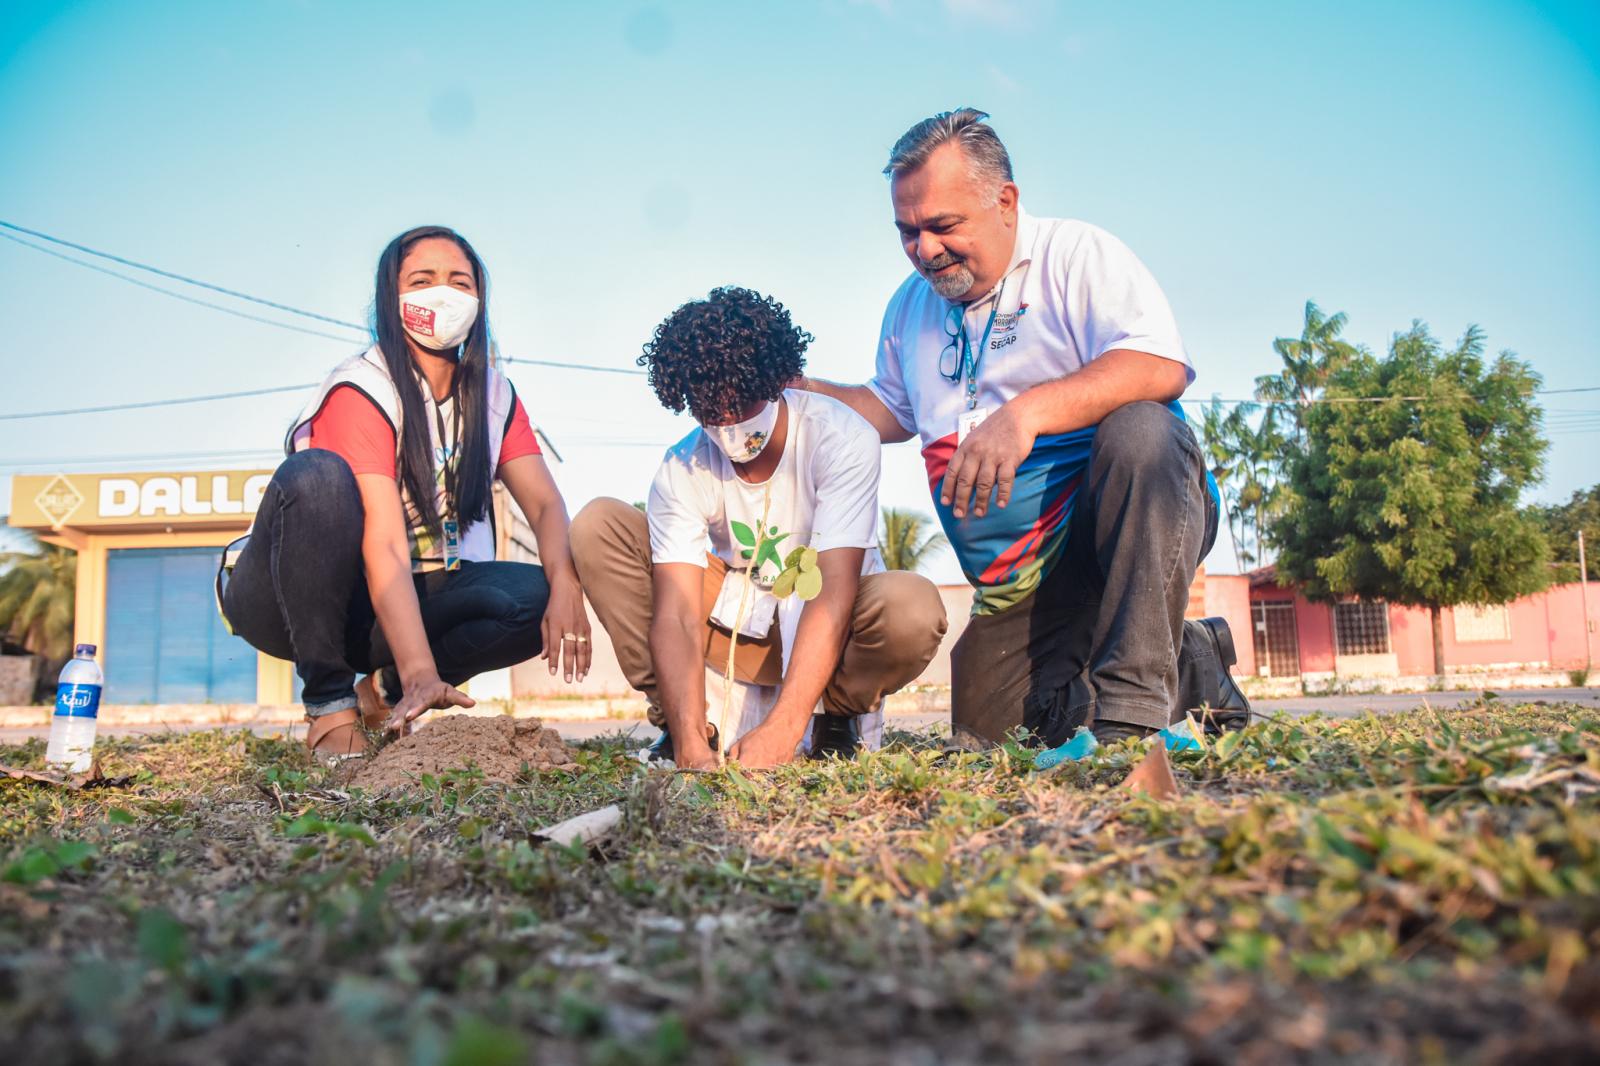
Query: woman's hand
566	628
423	695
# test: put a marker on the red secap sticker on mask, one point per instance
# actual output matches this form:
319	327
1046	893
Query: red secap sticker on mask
417	319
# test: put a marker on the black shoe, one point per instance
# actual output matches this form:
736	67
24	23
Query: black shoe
1227	709
833	734
1116	732
661	750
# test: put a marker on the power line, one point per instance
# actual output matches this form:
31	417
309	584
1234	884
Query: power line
141	404
573	366
235	293
1311	400
554	364
60	461
175	295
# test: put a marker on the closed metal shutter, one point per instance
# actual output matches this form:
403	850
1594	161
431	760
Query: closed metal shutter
164	640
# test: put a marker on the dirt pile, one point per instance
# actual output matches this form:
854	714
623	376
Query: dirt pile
499	746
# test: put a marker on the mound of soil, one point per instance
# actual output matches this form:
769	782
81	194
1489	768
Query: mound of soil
499	746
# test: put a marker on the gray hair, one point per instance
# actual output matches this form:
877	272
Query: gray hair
987	160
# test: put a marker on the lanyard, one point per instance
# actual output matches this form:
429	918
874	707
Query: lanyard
969	362
449	444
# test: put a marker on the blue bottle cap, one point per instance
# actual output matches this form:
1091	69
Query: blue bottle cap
84	651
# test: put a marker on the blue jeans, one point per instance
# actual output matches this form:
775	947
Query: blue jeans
299	592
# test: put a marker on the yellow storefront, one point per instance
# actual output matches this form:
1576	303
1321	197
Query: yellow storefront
148	545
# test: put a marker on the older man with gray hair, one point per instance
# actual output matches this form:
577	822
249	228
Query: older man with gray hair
1040	365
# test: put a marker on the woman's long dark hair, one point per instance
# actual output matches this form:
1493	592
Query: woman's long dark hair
468	480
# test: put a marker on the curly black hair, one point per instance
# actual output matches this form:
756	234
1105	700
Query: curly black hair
719	355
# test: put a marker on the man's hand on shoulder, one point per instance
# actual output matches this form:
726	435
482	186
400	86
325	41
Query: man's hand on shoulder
986	462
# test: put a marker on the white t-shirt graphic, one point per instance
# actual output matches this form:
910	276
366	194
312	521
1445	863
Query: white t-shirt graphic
823	494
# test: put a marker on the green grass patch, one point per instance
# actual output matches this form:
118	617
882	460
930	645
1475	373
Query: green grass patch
1417	887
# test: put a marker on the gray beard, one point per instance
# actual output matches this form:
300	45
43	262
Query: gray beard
954	284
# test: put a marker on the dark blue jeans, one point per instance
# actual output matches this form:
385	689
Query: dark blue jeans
299	592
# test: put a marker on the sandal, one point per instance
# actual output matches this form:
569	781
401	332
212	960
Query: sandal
374	708
336	737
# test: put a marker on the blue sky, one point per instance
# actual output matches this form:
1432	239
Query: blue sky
610	160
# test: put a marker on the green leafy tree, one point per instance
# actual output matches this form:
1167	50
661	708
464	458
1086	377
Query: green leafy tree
38	592
908	542
1561	523
1407	486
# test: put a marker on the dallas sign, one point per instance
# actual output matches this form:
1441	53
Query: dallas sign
191	495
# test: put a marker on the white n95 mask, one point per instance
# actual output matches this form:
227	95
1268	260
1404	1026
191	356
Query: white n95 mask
743	441
439	317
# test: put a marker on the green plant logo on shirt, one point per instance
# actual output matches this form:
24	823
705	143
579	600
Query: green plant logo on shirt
769	545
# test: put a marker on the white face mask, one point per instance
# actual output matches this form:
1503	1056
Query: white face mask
743	441
439	317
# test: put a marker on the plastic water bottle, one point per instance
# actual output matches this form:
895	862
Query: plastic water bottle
77	712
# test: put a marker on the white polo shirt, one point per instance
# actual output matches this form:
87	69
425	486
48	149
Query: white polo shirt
1071	293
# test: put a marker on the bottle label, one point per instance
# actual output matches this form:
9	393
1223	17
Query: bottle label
77	701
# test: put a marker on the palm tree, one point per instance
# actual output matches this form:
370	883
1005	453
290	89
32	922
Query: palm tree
1308	362
38	591
907	542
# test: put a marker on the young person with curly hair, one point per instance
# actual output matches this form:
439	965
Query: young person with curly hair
373	550
769	470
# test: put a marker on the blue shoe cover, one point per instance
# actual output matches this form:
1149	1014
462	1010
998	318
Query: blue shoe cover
1180	737
1079	747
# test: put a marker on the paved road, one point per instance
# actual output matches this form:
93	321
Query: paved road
1337	706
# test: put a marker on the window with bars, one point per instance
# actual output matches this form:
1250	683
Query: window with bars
1361	628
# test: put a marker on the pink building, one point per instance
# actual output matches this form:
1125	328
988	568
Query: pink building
1323	644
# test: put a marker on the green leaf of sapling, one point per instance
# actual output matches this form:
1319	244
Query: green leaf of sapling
808	584
784	585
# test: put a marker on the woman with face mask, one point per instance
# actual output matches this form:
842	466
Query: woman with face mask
373	549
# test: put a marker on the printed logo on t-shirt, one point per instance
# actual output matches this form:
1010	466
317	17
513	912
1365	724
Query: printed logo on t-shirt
417	319
770	550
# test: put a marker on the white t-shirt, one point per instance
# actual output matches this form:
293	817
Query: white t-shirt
1071	293
823	494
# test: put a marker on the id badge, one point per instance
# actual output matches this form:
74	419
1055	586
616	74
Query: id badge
968	421
452	544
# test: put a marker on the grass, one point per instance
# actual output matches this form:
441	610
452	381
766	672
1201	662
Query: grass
1412	888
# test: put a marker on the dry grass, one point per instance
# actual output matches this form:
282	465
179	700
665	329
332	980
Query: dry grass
1413	888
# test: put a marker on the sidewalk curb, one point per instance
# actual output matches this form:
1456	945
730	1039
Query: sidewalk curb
627	708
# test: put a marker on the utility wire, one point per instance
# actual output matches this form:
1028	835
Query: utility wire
573	366
553	364
176	295
1313	400
594	367
141	404
236	294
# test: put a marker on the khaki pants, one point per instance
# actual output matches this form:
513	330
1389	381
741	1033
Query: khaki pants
895	628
